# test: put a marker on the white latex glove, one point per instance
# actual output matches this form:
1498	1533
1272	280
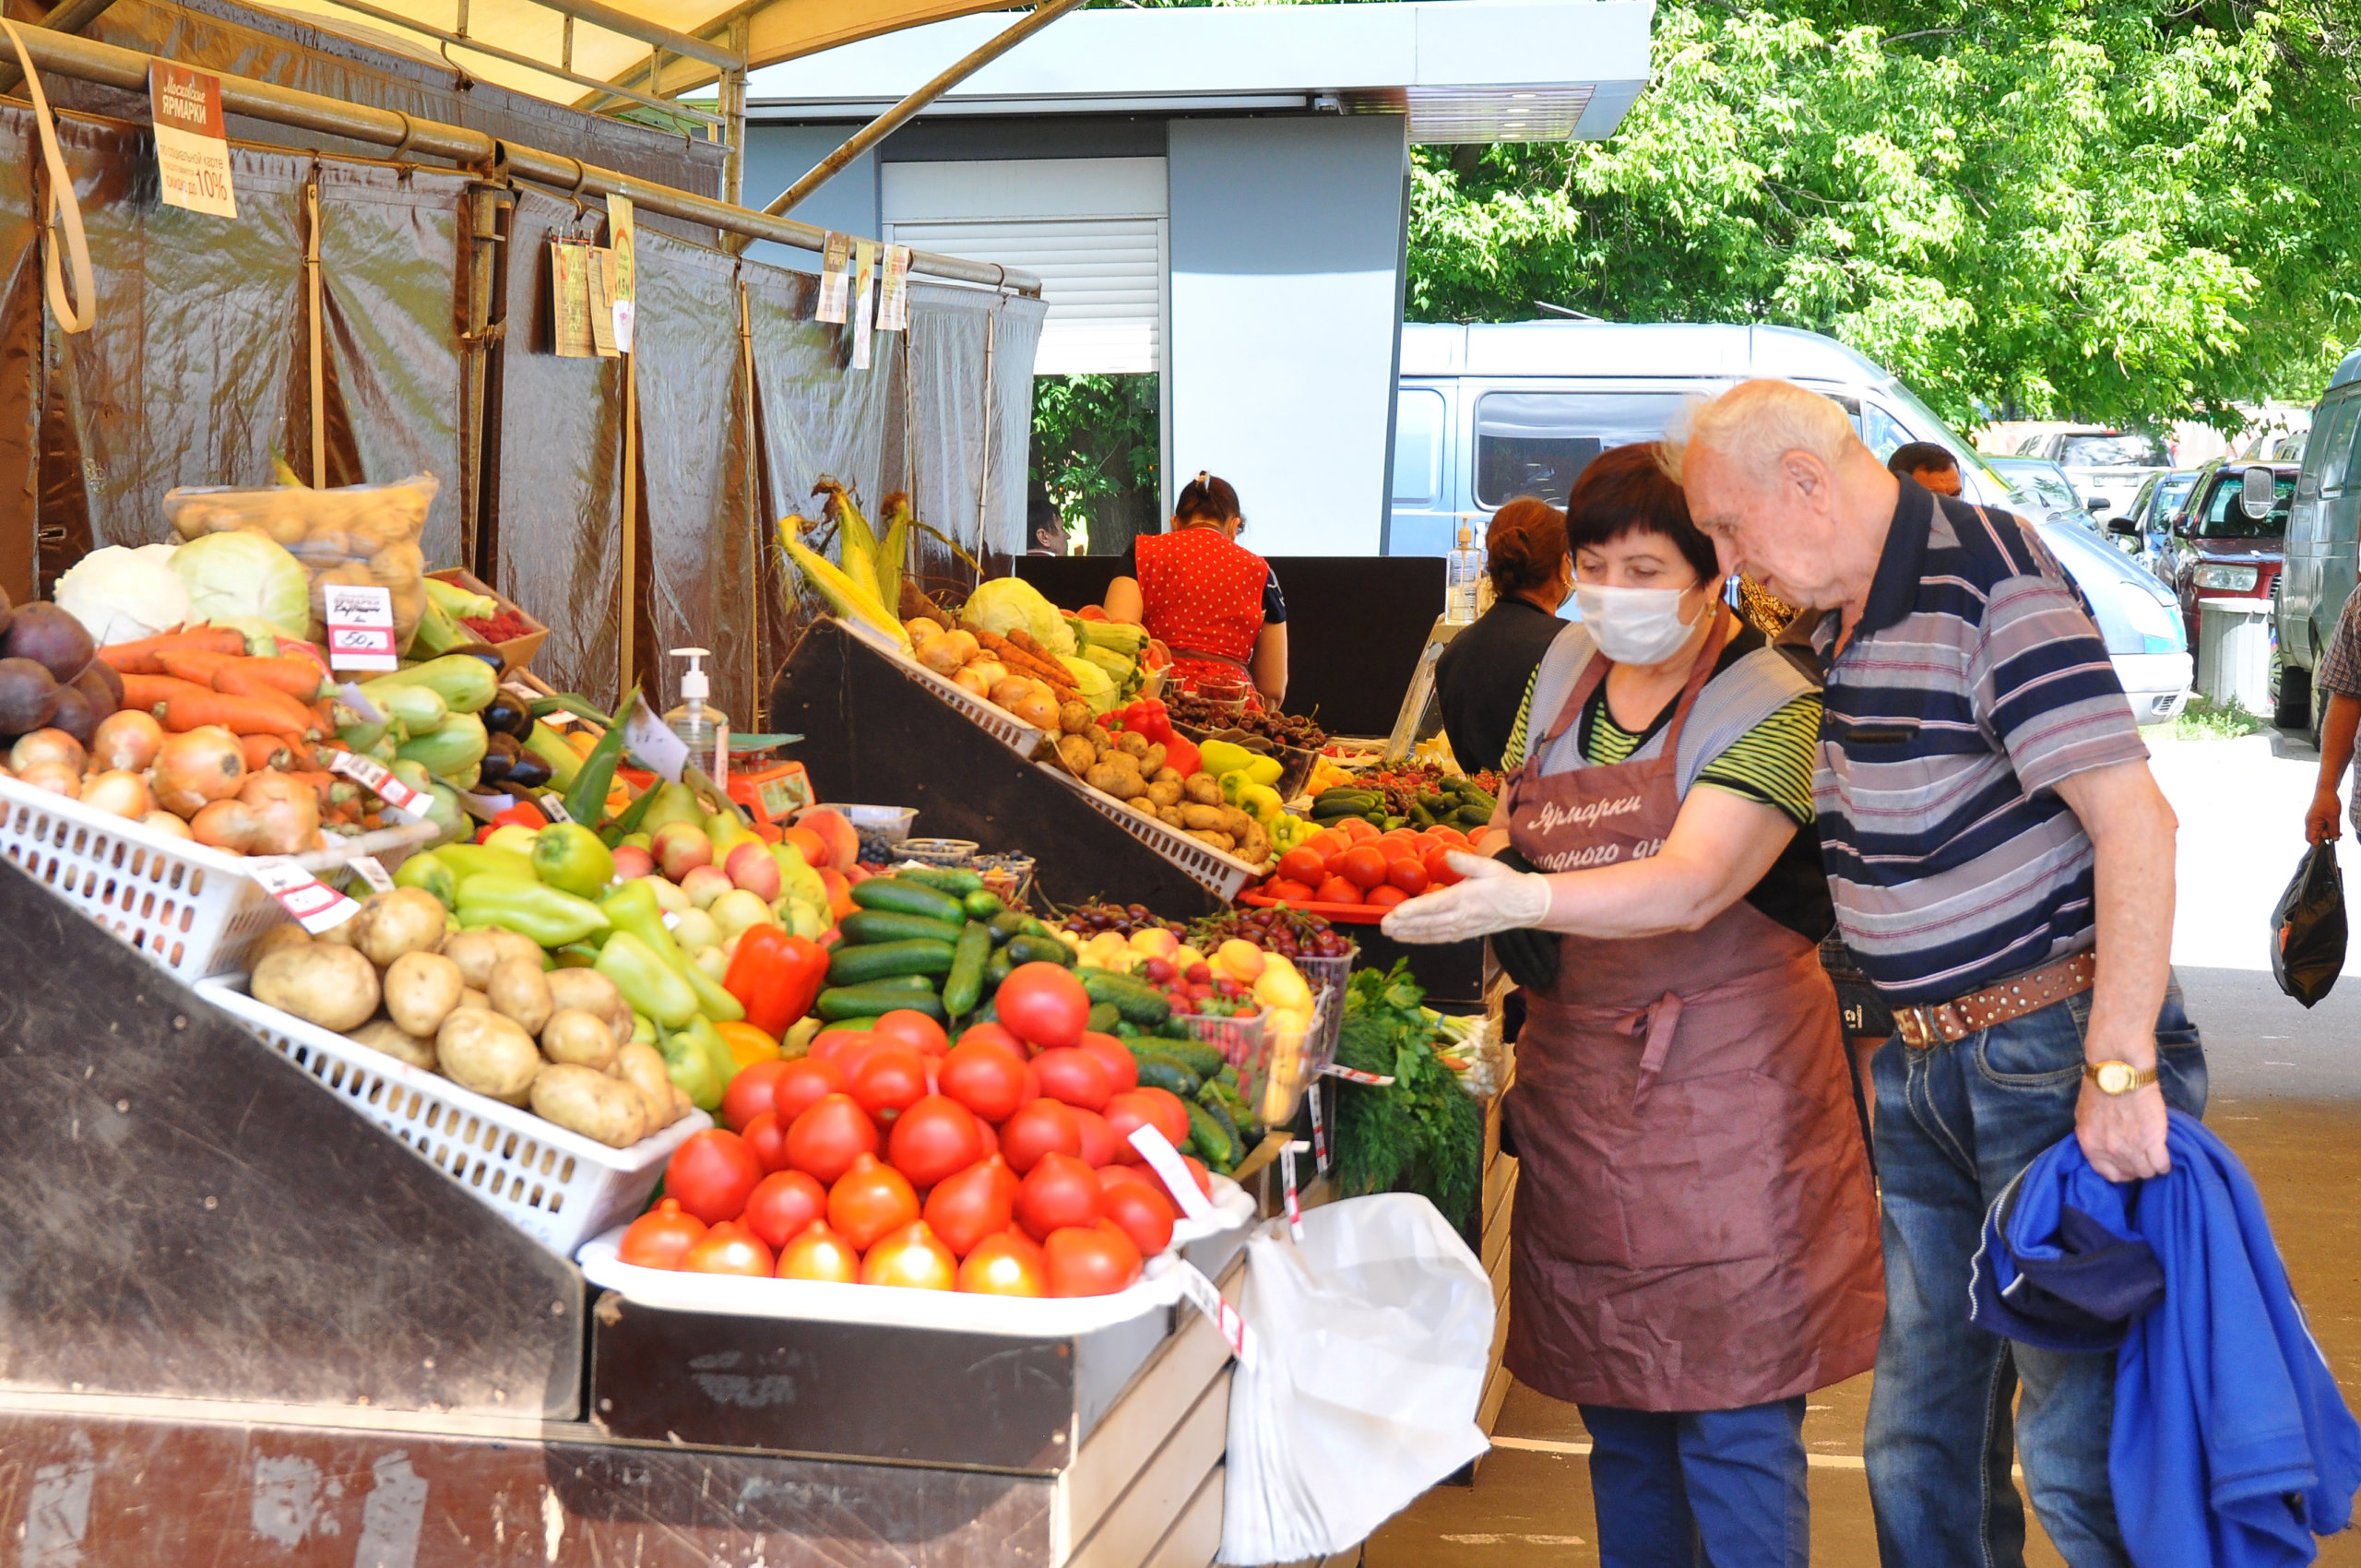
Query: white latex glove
1494	898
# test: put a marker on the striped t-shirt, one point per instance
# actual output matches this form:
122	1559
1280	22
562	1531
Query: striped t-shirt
1973	684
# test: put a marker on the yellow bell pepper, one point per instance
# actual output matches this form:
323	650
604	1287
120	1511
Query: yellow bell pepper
747	1044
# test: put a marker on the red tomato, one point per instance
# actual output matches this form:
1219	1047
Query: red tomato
996	1035
1336	890
1123	1067
1113	1176
1090	1261
1141	1212
1332	861
984	1075
1447	834
801	1087
1385	897
987	1137
825	1140
1059	1191
1031	1090
933	1139
1325	842
1302	865
1288	891
967	1207
832	1047
907	1026
1394	840
1357	829
912	1258
767	1135
888	1081
1158	1107
662	1237
711	1174
1408	874
1439	871
1043	1004
748	1094
1006	1263
820	1254
869	1200
1363	865
1098	1137
1197	1170
1042	1127
1074	1076
783	1205
728	1248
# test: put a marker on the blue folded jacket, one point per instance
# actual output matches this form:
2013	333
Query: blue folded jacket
2231	1445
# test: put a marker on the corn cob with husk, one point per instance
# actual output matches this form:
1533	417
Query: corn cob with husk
856	541
893	551
851	598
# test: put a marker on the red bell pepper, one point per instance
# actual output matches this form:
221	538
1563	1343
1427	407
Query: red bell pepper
776	977
1147	717
1180	754
524	814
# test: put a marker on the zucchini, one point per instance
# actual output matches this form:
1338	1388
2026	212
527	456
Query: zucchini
982	905
466	683
867	926
1133	999
1220	1150
897	897
1039	950
1104	1016
942	879
879	996
967	960
1163	1073
855	966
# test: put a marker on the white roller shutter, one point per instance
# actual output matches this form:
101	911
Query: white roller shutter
1092	229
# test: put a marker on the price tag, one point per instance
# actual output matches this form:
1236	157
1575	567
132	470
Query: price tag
353	697
554	809
315	908
1319	1130
864	301
378	779
835	276
1288	1151
1207	1298
192	140
623	233
367	868
1165	1160
653	744
894	291
1355	1076
360	626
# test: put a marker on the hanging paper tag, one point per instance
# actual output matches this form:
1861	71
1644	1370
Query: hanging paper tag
1207	1298
570	300
315	908
353	697
367	868
894	291
835	276
652	744
1319	1130
192	140
1288	1151
360	626
378	779
602	270
864	301
554	809
1355	1076
623	233
1165	1160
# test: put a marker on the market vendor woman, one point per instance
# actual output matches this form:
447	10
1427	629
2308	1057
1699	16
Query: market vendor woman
1695	1238
1214	604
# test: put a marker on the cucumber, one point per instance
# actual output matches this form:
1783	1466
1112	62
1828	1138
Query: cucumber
982	905
998	970
1217	1149
1104	1016
1173	1029
879	996
852	966
1163	1073
944	879
1133	999
1123	1028
1213	1106
1039	950
1009	923
897	897
967	982
859	1024
867	927
1203	1060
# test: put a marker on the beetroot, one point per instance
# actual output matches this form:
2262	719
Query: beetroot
74	714
28	697
50	637
102	685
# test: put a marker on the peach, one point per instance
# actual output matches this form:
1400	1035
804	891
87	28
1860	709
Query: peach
750	866
632	863
681	847
703	884
840	846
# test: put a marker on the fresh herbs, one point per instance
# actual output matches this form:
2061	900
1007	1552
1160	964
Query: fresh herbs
1422	1133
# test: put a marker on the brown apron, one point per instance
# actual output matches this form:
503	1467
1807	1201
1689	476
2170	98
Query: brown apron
1694	1226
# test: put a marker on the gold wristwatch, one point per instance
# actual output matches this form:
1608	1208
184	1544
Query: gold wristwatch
2119	1078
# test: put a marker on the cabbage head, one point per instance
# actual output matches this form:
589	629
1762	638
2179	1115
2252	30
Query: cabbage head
1096	688
242	575
1011	602
123	595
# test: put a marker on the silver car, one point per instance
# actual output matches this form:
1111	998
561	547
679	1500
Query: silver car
2103	467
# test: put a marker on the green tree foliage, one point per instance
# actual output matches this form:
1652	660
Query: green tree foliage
2089	209
1095	440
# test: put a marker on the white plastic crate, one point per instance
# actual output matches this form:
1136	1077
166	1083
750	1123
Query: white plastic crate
1225	876
558	1187
1252	1047
994	721
193	910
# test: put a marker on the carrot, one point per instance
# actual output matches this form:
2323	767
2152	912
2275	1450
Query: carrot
239	715
141	657
265	750
148	693
297	678
1057	676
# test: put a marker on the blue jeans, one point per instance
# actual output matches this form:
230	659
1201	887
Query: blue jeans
1954	1124
1689	1489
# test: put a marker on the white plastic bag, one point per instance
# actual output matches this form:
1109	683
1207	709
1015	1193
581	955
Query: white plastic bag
1371	1341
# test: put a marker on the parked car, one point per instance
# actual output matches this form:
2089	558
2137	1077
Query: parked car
1488	412
2319	551
2046	484
2103	466
2143	531
2221	549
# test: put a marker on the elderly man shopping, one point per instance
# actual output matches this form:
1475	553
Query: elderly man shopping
2002	865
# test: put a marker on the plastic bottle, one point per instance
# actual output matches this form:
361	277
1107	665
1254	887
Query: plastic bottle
1467	577
703	726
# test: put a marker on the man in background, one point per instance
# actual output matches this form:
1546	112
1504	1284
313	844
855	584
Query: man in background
1933	466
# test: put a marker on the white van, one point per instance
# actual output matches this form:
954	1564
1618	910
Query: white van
1487	412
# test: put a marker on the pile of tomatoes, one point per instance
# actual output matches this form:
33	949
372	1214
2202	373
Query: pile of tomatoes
1354	863
889	1155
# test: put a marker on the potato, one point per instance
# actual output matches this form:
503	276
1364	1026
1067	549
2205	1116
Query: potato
584	1101
1073	717
1203	788
479	1050
642	1066
471	997
518	990
1166	775
1078	754
1121	782
478	951
1203	818
1100	739
1142	805
588	991
1170	816
1236	823
395	564
579	1038
383	1034
1218	840
287	936
320	983
1152	760
339	935
408	919
1165	792
1132	741
420	991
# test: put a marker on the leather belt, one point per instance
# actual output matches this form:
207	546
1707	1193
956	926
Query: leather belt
1941	1023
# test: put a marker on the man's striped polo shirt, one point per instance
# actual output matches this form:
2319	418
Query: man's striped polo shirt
1974	682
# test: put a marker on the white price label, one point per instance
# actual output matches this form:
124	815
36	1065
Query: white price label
367	868
315	908
1166	1161
835	276
1207	1298
1319	1129
1288	1151
360	626
379	780
652	744
554	809
1355	1076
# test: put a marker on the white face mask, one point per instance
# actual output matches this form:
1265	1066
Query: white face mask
1633	625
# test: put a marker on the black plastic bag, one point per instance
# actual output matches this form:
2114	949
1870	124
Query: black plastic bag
2308	928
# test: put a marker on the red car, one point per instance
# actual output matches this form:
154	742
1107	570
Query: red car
2222	551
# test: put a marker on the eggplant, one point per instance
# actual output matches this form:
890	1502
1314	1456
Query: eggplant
485	651
505	716
527	772
499	756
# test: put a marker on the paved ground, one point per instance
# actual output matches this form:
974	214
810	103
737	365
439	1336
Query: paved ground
2284	1081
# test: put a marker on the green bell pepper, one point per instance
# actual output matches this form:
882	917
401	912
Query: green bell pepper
482	859
548	915
634	910
716	1048
569	856
430	872
647	981
690	1066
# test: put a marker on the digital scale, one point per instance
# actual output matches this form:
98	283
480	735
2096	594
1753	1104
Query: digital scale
769	789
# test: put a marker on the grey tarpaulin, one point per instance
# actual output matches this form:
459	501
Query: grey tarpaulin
968	470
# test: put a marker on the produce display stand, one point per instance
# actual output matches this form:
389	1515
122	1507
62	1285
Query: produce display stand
1493	1251
240	1323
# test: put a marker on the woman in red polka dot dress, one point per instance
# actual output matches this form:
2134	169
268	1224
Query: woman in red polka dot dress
1214	604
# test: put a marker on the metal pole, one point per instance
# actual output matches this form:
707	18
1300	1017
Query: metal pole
87	60
72	16
614	21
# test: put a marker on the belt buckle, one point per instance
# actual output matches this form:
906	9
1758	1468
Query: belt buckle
1922	1027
